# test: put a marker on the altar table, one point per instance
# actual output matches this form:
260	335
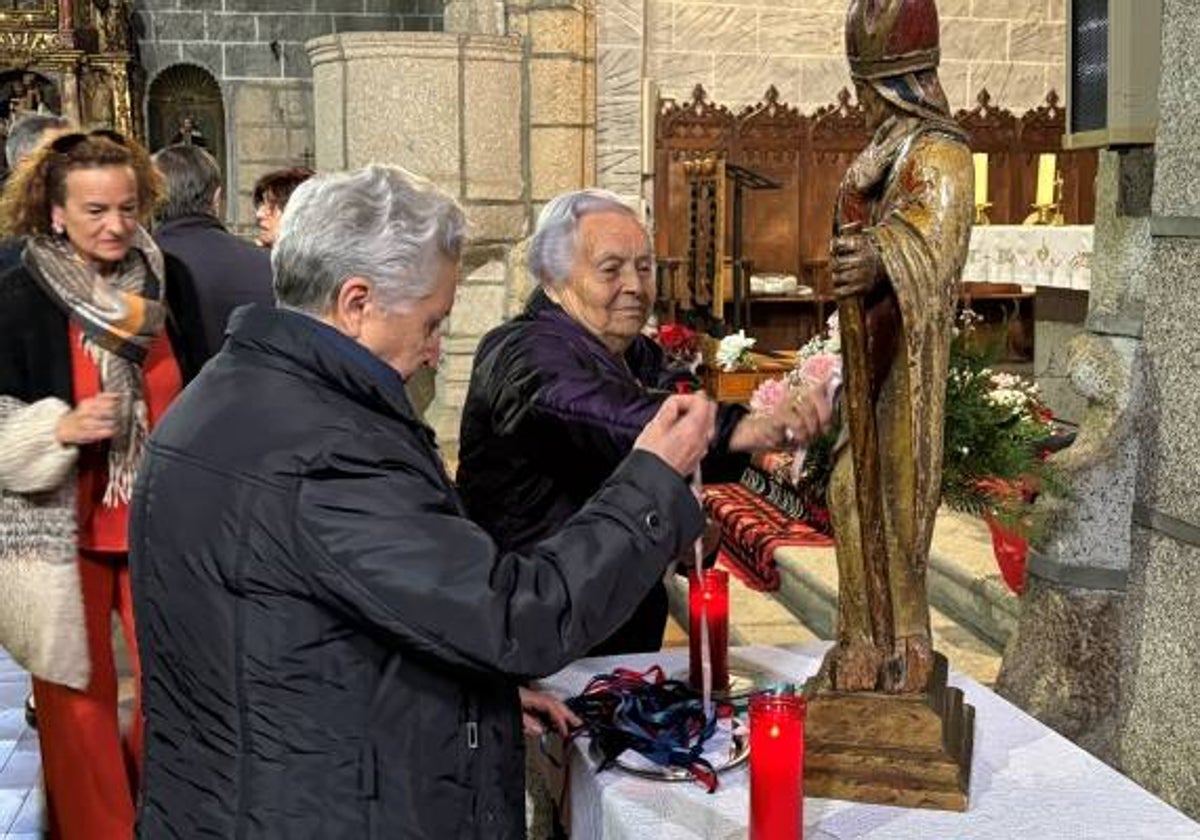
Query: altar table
1026	780
1031	255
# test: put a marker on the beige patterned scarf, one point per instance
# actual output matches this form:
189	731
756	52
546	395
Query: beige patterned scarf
119	316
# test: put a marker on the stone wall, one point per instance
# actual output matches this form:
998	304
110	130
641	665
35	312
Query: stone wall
1014	48
255	51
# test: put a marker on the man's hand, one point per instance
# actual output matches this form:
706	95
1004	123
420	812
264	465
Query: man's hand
537	706
681	431
94	419
855	263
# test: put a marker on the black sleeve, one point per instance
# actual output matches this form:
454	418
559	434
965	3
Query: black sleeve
387	551
35	351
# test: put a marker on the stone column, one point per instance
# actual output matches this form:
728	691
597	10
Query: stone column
560	45
1160	708
1063	663
1108	649
450	107
475	17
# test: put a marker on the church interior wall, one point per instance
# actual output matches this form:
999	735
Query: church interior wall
255	49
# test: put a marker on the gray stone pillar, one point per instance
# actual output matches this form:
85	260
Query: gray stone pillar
1063	663
560	43
475	17
450	107
1108	648
1160	740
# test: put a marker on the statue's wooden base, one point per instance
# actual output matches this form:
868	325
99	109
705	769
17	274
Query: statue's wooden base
909	750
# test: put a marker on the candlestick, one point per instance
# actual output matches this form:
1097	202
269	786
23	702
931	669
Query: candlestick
1047	168
981	178
777	767
708	606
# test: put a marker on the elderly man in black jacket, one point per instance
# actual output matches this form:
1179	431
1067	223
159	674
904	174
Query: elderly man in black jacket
330	648
214	272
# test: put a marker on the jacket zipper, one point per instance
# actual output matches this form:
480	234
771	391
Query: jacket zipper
472	725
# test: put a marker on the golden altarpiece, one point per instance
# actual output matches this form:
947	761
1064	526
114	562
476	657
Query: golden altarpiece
71	57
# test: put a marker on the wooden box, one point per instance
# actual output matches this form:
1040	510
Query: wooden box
738	385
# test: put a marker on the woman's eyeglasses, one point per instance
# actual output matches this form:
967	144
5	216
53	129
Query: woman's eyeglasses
64	144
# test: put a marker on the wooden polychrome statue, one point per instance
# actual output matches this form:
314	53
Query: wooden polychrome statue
901	231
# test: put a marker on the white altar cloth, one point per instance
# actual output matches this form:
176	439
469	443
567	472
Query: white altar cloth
1026	781
1031	255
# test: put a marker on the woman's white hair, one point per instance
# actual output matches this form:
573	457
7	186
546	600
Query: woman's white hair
552	249
380	223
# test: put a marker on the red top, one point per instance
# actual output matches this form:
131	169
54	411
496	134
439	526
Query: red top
104	528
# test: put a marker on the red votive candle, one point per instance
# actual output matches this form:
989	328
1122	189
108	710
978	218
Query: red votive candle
714	596
777	767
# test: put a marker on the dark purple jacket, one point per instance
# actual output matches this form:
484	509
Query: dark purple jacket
550	413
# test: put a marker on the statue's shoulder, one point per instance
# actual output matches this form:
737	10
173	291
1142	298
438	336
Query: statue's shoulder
938	148
945	140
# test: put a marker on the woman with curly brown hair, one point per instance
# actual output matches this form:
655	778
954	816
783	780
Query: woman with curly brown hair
86	370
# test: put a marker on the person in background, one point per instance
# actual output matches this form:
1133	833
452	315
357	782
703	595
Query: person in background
212	271
558	394
271	194
23	139
331	648
86	370
189	134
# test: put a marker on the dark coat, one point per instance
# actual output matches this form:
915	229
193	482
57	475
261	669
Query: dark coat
35	348
10	252
550	412
216	272
329	647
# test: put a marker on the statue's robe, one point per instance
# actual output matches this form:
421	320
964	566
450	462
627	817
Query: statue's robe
913	191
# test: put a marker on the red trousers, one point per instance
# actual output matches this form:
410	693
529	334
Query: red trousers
91	774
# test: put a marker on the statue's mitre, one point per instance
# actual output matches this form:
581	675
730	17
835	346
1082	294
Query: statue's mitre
891	37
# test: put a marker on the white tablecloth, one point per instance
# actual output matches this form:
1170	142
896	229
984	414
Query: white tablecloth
1031	255
1026	781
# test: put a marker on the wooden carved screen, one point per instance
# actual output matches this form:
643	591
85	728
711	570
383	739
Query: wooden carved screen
767	140
1041	130
691	131
993	131
788	230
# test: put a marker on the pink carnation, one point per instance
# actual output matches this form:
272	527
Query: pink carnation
768	395
819	369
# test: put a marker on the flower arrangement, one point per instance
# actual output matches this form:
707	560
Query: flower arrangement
995	430
681	346
995	439
733	352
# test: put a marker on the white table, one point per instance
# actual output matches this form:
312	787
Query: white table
1026	781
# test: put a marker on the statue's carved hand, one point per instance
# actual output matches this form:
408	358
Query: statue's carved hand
856	266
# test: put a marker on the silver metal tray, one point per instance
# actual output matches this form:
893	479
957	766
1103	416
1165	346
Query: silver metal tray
738	751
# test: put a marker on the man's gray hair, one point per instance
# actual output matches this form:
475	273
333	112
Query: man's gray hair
552	249
192	179
379	223
28	132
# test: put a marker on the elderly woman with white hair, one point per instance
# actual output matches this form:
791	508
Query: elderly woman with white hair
331	649
559	394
